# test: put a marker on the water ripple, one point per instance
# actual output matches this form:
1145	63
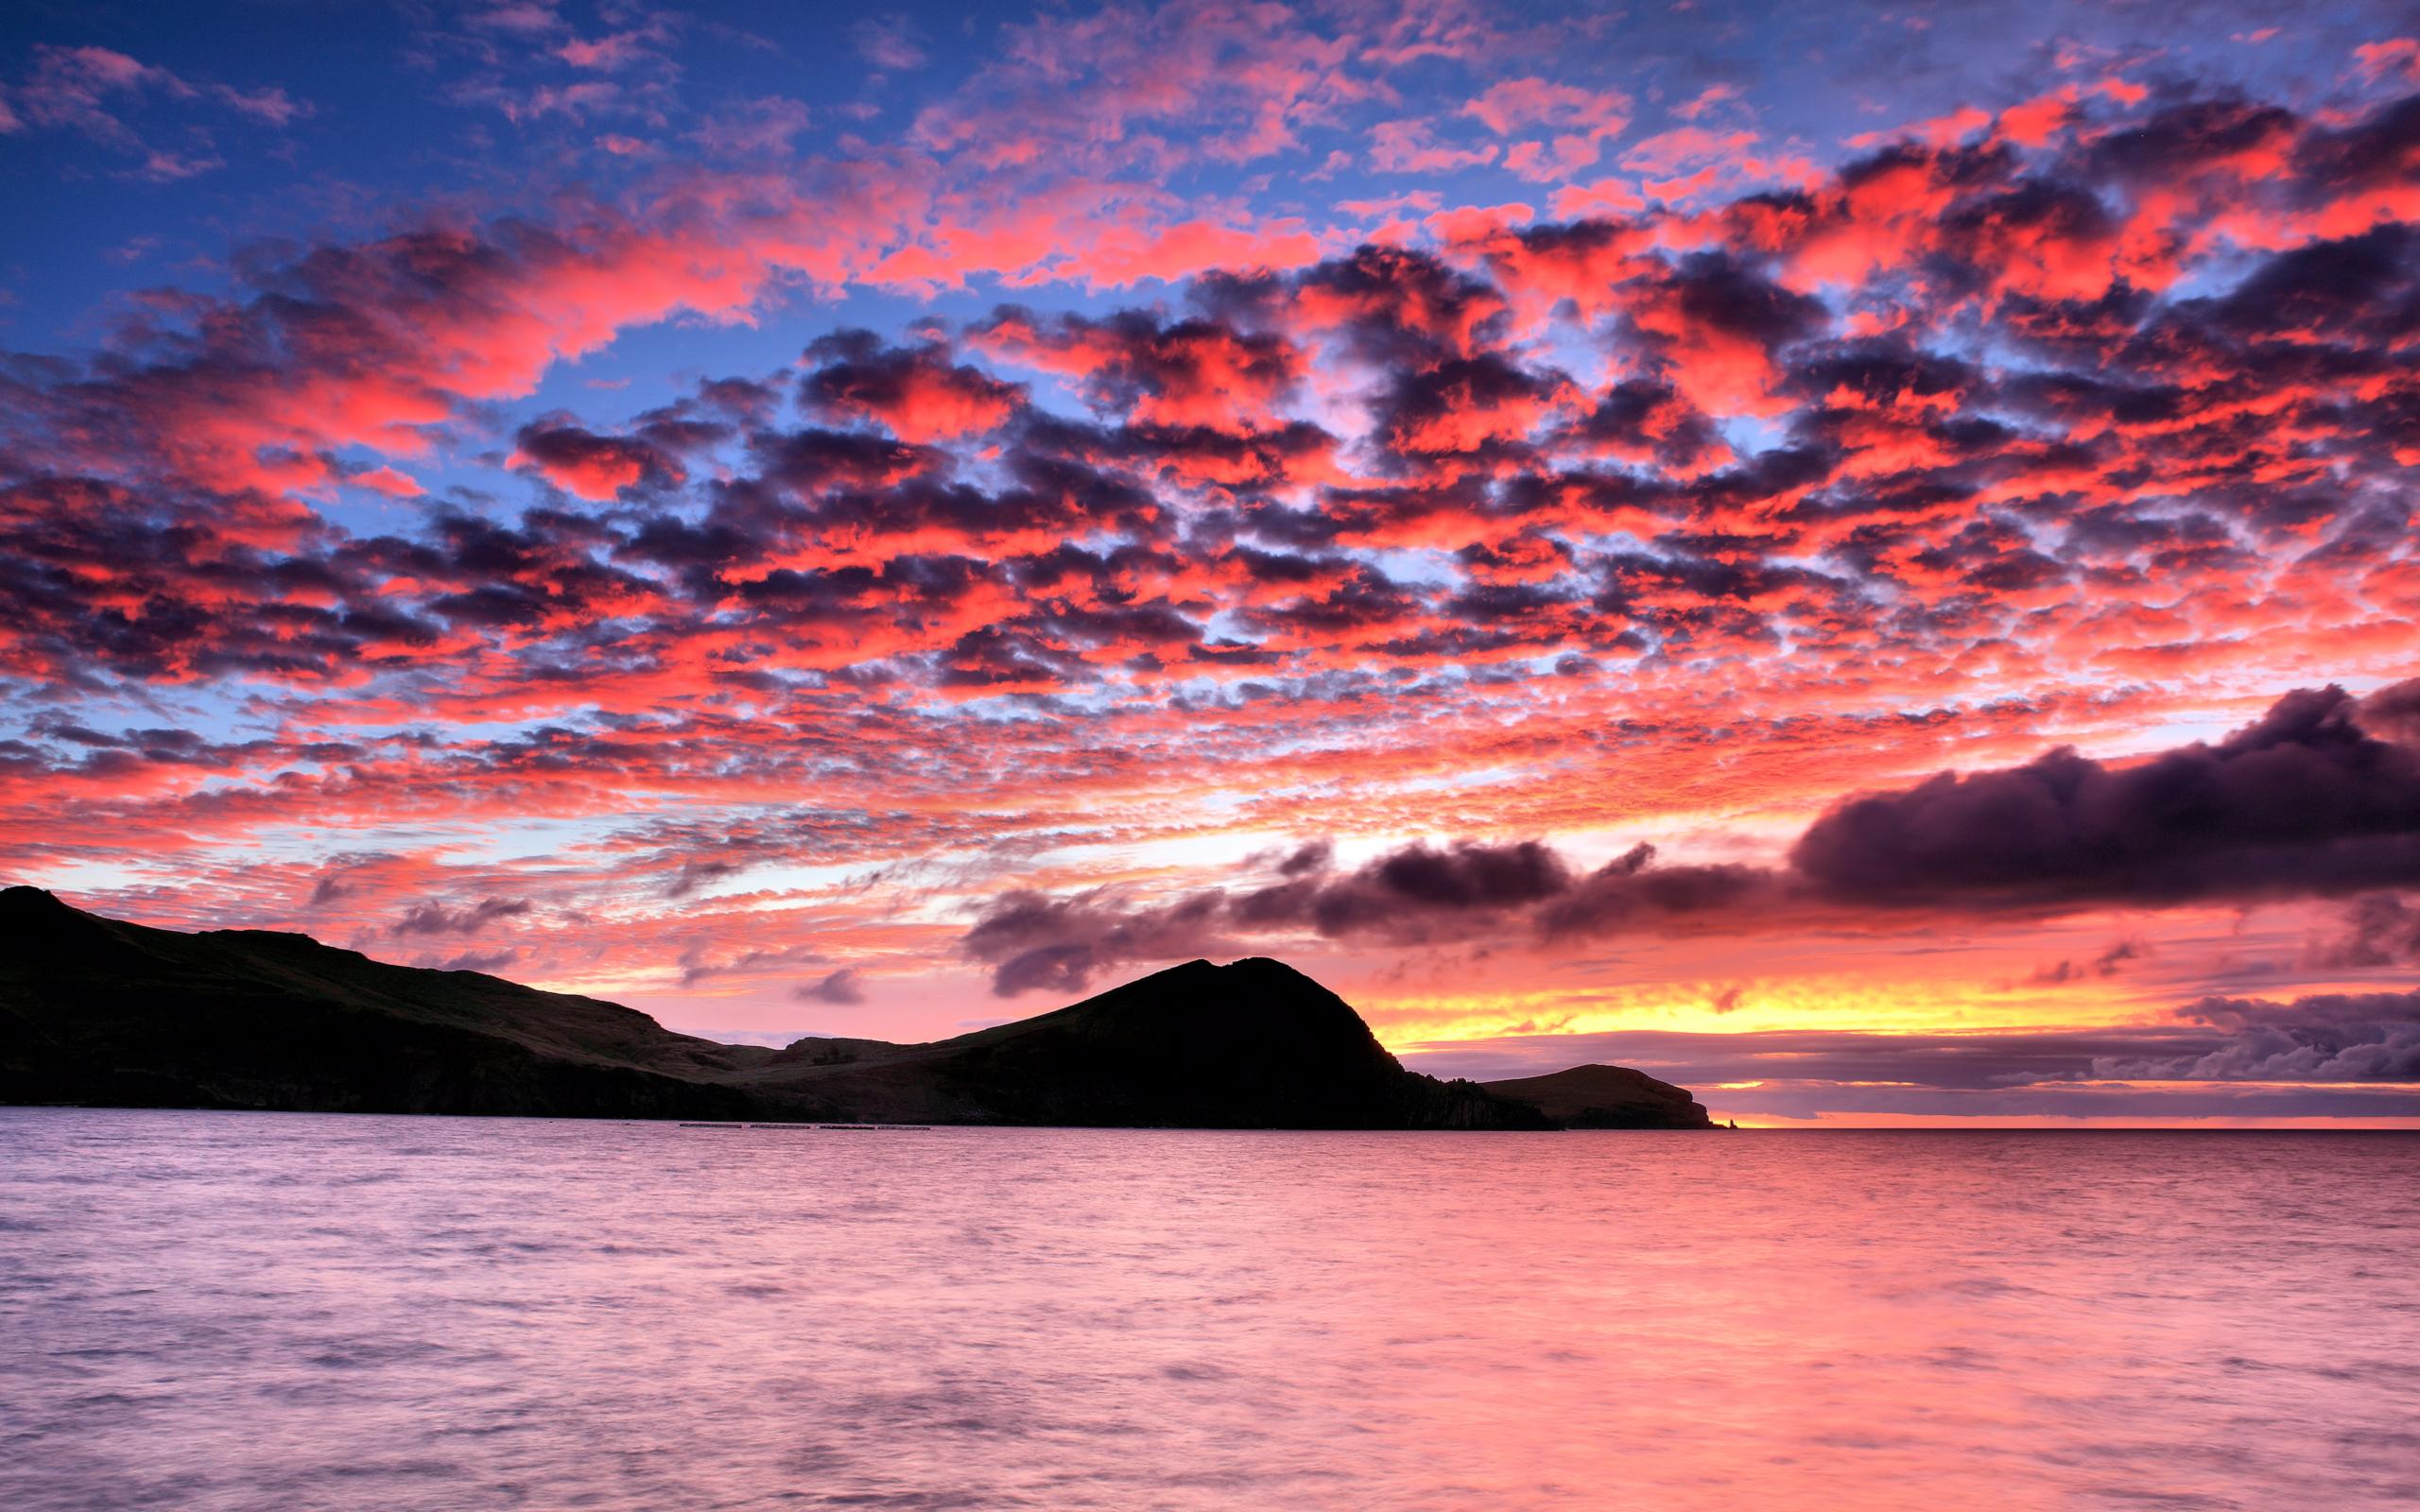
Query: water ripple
226	1313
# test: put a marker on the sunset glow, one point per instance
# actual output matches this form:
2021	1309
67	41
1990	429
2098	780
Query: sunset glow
1858	559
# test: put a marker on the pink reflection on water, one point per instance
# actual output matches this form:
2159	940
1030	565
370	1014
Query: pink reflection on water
233	1311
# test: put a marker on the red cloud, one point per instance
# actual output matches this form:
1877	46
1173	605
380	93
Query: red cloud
594	467
915	391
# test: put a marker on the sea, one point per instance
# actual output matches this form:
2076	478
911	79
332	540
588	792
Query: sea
276	1313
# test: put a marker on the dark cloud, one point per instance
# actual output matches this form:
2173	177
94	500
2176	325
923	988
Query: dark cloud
1630	893
485	961
2186	135
2335	1037
916	391
1031	940
1418	892
1139	365
1467	406
594	466
436	918
2393	714
842	988
2370	151
693	874
2378	929
1644	420
2108	963
2329	289
2303	802
1398	308
1717	291
1312	856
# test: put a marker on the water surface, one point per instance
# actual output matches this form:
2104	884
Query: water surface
301	1312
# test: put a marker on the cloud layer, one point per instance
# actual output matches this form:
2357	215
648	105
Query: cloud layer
2306	802
832	549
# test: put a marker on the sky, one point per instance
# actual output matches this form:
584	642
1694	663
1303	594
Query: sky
1854	557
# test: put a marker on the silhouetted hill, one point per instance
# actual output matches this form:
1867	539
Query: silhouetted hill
1254	1044
1606	1097
98	1012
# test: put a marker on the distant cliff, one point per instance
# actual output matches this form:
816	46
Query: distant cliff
102	1013
1606	1097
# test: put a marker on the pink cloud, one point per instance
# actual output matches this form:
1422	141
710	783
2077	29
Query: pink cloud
2376	60
1409	146
1515	104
